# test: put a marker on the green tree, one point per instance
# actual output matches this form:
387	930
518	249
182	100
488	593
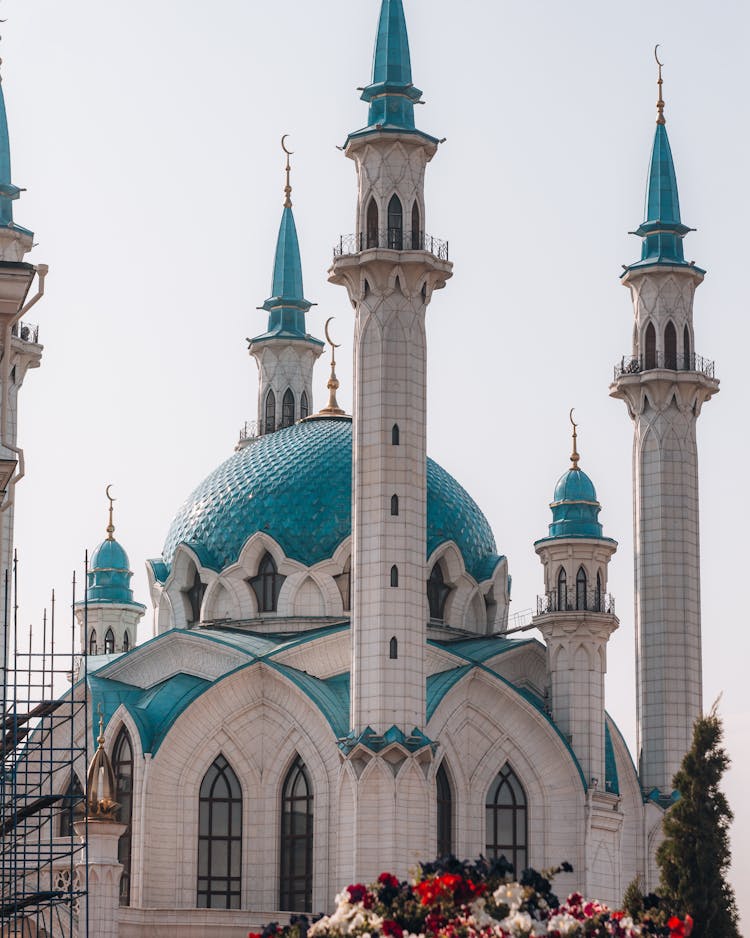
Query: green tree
694	856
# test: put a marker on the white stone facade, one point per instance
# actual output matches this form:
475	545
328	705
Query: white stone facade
284	366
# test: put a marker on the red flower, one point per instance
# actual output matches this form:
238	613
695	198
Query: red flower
678	928
253	934
388	879
357	892
392	928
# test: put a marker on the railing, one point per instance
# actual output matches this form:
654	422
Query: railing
249	430
634	365
394	239
572	600
26	331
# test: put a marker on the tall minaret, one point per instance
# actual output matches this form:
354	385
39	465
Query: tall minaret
285	352
390	269
19	346
664	384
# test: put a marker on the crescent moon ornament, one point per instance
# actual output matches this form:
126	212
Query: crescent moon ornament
328	335
572	411
656	49
107	493
291	152
574	457
110	526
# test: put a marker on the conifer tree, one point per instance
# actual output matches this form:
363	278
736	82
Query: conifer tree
694	856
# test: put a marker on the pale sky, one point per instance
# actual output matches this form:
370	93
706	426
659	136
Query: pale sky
147	136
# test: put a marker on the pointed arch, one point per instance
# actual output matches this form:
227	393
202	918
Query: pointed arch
416	228
219	838
395	435
72	806
123	766
295	892
393	649
267	583
507	819
444	811
92	642
687	358
598	596
304	406
194	595
126	641
269	412
395	224
372	224
287	408
581	588
394	505
562	590
109	642
650	347
394	575
670	346
437	593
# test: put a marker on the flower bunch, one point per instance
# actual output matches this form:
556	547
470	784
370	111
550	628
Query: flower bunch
454	899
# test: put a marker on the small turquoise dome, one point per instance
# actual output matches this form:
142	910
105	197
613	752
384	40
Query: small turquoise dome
109	574
575	510
296	485
574	485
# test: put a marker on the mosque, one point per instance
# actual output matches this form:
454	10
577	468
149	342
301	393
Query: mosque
331	687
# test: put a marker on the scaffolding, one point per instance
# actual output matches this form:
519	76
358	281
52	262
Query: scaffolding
43	828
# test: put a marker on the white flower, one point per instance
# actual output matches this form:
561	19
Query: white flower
564	923
518	924
510	894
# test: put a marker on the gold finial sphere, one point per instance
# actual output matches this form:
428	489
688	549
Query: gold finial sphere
110	526
574	456
660	119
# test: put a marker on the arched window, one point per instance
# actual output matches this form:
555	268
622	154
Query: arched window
126	642
670	346
416	234
581	585
344	583
562	590
122	765
92	642
304	406
395	224
194	595
687	363
437	593
444	813
394	575
267	584
72	806
395	435
219	838
650	346
287	408
598	596
394	504
393	649
295	894
507	822
109	642
372	224
269	418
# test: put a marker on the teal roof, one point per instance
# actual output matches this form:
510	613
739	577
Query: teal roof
109	575
296	486
287	304
611	780
8	192
662	229
575	509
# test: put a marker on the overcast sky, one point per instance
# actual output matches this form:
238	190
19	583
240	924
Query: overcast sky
147	136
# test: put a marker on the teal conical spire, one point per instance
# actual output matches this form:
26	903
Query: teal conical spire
391	94
8	192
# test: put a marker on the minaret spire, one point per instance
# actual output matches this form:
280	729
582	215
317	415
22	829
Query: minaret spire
574	457
288	186
660	103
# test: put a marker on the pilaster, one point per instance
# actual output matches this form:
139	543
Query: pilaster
102	874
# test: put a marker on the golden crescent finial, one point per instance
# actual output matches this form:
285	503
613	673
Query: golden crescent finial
288	152
656	47
660	103
288	186
101	726
333	409
328	335
110	526
574	457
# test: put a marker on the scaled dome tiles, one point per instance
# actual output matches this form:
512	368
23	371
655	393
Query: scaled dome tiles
296	486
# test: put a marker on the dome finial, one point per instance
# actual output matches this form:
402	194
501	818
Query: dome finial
333	409
101	785
110	526
660	103
101	739
288	186
574	457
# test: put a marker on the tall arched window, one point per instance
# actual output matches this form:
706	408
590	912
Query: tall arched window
304	406
267	584
507	822
562	590
395	224
72	806
393	649
194	594
670	346
219	838
109	642
287	408
687	358
92	642
126	642
437	593
394	504
394	575
416	234
650	346
269	417
599	592
581	585
372	224
295	894
395	435
122	765
444	813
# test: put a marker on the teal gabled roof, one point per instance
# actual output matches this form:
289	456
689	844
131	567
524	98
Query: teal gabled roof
8	192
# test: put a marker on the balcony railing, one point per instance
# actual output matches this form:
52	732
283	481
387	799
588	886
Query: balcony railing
575	600
249	430
634	364
394	239
26	331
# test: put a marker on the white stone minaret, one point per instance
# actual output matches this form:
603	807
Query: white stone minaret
390	269
665	384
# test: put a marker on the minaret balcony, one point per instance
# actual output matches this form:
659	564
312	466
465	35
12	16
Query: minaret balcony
634	364
575	601
391	239
26	331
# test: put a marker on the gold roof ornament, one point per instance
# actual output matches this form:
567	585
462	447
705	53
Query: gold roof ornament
288	186
660	103
110	526
333	409
574	456
100	802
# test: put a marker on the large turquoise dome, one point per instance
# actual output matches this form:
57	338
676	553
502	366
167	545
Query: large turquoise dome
296	485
